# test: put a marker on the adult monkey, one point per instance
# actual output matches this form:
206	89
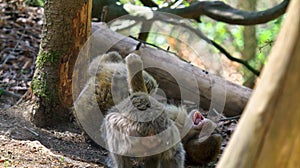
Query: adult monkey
132	127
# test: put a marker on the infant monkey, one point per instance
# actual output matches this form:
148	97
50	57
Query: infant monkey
200	144
131	127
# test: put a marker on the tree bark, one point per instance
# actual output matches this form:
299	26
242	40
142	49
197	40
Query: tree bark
177	78
268	132
65	30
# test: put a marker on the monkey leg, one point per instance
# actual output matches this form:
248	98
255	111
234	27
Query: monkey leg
203	152
176	160
152	162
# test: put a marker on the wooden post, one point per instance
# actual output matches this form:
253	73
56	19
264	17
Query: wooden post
268	132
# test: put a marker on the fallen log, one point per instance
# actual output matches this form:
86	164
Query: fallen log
177	78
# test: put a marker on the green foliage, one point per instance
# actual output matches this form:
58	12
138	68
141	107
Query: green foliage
266	36
6	163
231	37
159	2
238	40
62	159
186	3
35	3
131	2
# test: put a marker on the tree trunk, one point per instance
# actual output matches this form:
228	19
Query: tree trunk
250	43
65	30
268	132
178	79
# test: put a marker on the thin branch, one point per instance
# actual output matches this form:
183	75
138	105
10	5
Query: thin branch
202	36
245	63
8	93
237	117
155	46
149	3
104	13
216	45
31	131
145	29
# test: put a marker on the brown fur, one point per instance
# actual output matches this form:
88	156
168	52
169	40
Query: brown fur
110	80
112	69
141	116
201	145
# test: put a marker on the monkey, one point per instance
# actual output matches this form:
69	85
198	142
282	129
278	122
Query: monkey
107	65
131	127
201	144
103	68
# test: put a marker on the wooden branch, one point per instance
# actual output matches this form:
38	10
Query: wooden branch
220	11
216	10
178	79
149	3
268	132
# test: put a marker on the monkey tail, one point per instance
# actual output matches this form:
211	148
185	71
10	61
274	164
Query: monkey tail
135	74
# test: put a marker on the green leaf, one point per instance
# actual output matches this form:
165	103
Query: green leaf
265	35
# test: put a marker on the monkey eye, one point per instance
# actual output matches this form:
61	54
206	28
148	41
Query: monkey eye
197	118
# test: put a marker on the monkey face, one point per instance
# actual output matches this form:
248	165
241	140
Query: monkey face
197	118
201	126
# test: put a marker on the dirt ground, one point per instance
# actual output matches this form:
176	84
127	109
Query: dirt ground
21	143
24	145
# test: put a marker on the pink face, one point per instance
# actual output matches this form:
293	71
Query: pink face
197	118
201	126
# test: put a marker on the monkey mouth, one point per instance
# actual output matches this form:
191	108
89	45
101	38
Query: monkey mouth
197	118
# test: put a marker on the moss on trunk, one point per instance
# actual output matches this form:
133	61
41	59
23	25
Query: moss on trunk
47	106
65	30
